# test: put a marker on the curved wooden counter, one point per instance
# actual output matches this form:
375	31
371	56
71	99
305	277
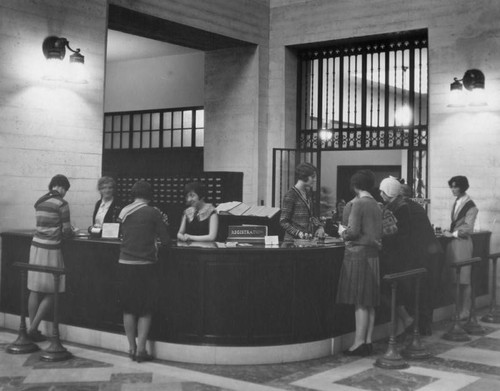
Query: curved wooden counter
245	305
243	296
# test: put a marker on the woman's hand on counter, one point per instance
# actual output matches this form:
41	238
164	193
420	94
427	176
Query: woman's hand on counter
320	233
183	237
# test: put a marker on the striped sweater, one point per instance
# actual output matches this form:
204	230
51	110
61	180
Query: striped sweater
52	221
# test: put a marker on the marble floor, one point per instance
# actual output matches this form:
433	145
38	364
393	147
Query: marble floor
472	365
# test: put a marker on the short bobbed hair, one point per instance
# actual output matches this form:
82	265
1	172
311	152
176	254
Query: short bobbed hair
142	189
304	170
59	180
363	180
105	180
459	181
197	188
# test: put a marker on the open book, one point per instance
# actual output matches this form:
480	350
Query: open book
237	208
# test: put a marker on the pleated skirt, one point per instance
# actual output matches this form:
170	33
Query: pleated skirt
44	282
359	281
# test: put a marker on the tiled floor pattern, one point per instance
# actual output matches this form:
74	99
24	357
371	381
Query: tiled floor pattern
473	365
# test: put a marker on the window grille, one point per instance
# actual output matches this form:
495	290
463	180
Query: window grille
148	129
352	94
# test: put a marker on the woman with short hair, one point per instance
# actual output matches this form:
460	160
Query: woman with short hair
359	281
459	248
141	225
108	208
52	224
200	221
298	215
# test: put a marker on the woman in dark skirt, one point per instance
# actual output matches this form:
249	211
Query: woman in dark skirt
141	225
359	281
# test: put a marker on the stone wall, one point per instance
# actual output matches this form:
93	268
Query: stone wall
49	127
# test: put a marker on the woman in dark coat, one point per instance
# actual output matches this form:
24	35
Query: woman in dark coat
414	245
359	281
108	208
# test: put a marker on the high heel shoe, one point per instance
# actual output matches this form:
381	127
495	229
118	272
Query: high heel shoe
143	356
131	354
361	350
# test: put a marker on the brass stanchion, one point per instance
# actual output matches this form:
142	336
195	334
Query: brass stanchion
23	344
472	327
456	332
493	316
415	350
56	351
392	359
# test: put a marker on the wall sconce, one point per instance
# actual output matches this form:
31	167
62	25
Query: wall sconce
54	50
473	81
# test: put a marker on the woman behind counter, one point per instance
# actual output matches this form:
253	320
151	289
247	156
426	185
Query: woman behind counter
359	281
200	221
52	224
141	224
463	217
298	217
108	207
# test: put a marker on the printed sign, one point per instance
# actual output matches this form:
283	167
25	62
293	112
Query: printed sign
247	233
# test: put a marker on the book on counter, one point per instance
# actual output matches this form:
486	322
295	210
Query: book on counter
237	208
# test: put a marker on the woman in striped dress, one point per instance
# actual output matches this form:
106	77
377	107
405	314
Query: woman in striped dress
52	224
359	281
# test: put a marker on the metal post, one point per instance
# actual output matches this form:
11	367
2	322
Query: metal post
415	349
55	351
456	331
472	327
23	343
392	359
493	316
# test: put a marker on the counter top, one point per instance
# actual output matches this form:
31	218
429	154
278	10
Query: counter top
218	246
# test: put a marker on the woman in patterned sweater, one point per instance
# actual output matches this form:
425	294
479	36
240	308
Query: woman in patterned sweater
298	217
52	224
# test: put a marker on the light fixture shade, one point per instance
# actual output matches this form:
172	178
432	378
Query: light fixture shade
54	48
456	94
76	71
473	79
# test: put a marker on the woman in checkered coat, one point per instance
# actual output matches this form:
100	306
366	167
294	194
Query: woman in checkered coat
298	217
